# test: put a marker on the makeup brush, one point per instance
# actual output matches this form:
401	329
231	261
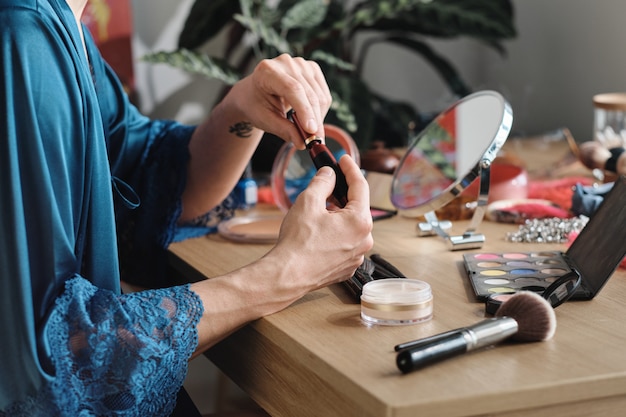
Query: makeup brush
525	317
322	156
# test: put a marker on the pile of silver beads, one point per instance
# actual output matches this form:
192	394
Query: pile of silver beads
549	230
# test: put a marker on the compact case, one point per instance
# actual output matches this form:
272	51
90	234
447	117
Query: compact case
579	273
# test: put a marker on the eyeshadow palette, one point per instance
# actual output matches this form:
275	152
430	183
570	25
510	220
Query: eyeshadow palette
496	273
593	256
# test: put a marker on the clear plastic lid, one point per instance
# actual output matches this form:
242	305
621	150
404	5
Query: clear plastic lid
396	291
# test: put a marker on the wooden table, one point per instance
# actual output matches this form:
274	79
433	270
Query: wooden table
317	358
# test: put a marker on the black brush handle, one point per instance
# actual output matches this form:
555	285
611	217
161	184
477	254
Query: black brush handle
379	260
322	156
454	343
412	359
424	341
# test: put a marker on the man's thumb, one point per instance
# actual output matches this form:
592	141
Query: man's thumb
325	179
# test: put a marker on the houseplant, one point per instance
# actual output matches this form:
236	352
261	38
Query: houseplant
327	31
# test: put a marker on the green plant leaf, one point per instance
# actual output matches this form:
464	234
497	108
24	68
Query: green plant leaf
267	34
343	113
305	14
195	63
326	30
487	20
332	60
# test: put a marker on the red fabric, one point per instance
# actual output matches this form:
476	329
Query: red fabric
537	211
558	191
554	200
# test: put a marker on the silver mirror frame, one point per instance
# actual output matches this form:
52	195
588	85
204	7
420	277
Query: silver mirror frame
470	239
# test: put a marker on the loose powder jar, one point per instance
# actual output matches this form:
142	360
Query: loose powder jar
396	301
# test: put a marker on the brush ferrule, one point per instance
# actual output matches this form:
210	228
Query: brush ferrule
312	138
489	332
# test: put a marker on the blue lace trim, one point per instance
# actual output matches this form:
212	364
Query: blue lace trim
208	222
117	355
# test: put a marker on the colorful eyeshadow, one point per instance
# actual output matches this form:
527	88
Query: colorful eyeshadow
501	297
522	271
495	290
495	301
515	256
488	264
486	256
497	281
518	263
549	262
492	272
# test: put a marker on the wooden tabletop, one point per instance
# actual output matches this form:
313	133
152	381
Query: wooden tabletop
317	358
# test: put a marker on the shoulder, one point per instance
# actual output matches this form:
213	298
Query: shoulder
19	17
33	32
19	4
23	21
40	59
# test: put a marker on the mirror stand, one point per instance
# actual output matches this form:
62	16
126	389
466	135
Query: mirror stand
470	239
446	157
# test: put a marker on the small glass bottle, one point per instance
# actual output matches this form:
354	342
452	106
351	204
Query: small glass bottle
246	190
609	126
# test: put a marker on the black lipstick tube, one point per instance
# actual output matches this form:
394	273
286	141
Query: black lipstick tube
322	156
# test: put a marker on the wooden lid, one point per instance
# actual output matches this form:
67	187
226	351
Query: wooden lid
610	101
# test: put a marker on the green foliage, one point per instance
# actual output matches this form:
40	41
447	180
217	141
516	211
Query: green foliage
196	63
325	30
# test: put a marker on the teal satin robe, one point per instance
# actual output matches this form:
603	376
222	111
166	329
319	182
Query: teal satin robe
67	132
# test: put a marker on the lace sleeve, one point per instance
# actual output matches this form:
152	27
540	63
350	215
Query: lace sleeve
121	355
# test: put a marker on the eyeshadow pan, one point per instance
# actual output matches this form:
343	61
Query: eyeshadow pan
497	281
522	271
549	262
488	264
497	290
486	256
515	256
493	272
518	263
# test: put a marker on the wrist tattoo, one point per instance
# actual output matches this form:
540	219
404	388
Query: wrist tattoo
241	129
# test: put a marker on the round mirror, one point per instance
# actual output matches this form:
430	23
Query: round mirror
448	155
